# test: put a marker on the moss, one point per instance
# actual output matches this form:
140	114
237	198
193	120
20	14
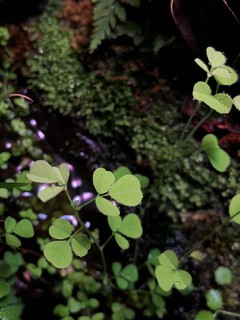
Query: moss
58	73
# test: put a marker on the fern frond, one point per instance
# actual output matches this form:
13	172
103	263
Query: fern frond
134	3
106	15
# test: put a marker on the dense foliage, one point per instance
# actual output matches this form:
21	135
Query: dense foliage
154	234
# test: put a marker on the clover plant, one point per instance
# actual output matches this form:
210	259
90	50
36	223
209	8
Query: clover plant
116	196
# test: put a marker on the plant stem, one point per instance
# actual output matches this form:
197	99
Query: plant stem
191	117
227	313
199	124
136	247
106	242
82	224
189	121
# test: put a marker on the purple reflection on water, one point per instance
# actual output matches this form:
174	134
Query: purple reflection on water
87	224
77	199
42	216
87	196
41	135
70	167
26	194
75	183
8	145
70	218
33	122
41	187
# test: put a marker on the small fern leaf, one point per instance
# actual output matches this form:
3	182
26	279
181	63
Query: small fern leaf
120	12
134	3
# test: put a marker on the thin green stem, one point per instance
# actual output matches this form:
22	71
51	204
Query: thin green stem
106	242
227	313
136	247
83	226
189	121
191	117
199	124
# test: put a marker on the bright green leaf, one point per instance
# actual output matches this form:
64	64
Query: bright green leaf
12	240
49	193
130	272
106	207
214	103
42	172
102	180
114	223
182	279
131	226
202	65
219	159
221	72
9	224
221	102
165	277
214	299
61	229
204	315
80	244
226	102
215	58
201	90
127	191
224	81
168	259
121	241
64	172
223	275
236	102
59	253
24	228
234	208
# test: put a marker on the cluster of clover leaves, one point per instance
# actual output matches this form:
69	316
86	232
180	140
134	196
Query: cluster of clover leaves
112	191
219	102
122	188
